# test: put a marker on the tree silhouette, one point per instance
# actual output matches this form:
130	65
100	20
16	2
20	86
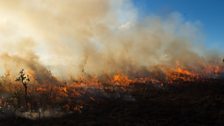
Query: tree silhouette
24	79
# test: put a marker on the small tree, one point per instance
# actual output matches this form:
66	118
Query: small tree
24	79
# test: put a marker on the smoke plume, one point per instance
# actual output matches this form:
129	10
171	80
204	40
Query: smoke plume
94	37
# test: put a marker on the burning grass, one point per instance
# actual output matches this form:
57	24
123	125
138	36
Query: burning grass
47	100
183	103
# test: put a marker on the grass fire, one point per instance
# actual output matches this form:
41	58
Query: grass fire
105	62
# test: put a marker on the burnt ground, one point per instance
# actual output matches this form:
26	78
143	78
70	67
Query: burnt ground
184	104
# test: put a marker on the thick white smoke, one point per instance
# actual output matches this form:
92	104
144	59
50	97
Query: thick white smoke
72	37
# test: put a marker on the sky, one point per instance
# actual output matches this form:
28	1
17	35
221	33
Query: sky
208	12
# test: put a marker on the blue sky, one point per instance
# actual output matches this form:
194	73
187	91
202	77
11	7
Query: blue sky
209	12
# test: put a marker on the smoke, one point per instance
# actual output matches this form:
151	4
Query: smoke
95	37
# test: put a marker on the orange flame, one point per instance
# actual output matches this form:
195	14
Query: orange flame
120	79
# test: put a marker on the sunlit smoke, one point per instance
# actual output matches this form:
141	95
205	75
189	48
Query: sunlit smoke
94	37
